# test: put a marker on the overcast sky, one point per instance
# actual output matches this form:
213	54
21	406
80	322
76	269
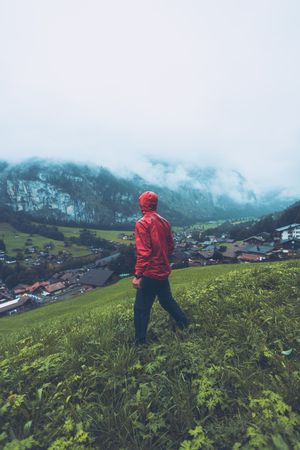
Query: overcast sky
213	82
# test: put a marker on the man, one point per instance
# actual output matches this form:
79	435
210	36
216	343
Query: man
154	245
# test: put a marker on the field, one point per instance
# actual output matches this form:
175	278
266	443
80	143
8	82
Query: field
110	235
70	378
14	239
200	225
213	224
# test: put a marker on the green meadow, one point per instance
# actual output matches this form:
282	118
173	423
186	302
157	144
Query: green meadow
110	235
70	377
15	240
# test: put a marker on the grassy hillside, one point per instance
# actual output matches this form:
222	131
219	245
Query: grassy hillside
71	380
102	299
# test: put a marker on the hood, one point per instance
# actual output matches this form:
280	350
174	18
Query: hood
148	201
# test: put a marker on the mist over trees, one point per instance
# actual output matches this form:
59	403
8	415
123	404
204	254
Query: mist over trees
90	196
267	224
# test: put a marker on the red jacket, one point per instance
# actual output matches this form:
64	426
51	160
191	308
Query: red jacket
154	240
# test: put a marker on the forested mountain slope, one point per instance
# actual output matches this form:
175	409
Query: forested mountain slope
73	193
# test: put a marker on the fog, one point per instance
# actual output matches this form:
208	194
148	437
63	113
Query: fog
121	84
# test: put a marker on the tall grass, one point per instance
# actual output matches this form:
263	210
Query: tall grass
224	383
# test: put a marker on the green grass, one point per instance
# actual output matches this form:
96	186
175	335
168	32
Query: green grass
105	299
200	225
72	380
207	226
14	239
110	235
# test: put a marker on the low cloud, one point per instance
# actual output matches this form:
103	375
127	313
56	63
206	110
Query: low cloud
132	85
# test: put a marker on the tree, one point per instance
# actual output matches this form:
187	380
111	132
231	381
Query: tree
196	234
126	262
86	237
19	256
2	245
267	224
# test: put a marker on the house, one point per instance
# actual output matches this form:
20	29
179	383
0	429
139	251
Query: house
199	261
212	239
129	237
206	255
258	249
254	240
4	295
280	254
181	245
107	260
205	243
21	289
69	278
267	237
14	305
48	246
210	248
10	260
55	288
96	249
291	244
98	278
251	257
255	253
287	249
229	255
37	285
32	249
179	259
289	232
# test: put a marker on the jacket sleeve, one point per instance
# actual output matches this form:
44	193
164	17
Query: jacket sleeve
170	242
143	248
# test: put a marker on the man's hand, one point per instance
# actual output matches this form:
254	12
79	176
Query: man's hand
136	283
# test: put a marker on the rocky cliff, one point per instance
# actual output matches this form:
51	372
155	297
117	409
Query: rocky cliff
66	192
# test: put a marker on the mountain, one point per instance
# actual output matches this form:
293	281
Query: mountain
267	224
289	215
75	193
279	219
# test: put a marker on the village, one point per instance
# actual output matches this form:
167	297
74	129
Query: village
191	249
61	285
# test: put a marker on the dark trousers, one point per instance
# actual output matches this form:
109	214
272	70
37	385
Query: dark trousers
145	296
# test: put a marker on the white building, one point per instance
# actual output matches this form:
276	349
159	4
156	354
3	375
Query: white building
289	232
